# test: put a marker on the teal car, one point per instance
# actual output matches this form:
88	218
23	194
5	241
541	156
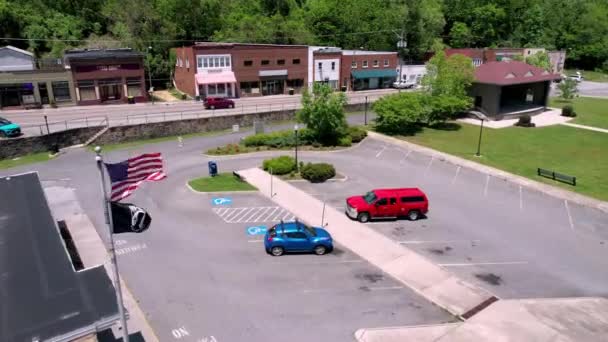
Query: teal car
9	129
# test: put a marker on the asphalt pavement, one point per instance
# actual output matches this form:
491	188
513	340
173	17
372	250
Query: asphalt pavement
196	275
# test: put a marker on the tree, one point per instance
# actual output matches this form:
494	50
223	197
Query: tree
400	113
449	76
460	35
568	88
540	59
323	113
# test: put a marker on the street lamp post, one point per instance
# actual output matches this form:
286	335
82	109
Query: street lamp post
479	141
150	75
295	128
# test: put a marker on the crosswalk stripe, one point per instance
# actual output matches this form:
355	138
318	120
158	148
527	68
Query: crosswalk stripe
232	213
247	212
262	214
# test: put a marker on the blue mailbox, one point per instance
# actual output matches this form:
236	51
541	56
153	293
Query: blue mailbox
212	168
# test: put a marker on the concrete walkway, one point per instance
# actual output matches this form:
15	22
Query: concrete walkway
548	118
591	128
418	273
64	205
523	181
541	320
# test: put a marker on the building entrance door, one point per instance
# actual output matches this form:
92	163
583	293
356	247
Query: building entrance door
110	89
44	93
272	87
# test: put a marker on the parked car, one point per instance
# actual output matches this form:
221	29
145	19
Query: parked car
218	102
388	203
297	237
9	129
578	77
403	85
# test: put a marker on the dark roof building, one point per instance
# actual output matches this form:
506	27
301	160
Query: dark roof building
42	296
511	88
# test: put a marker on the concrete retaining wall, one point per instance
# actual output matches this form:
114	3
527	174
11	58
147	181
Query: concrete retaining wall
11	148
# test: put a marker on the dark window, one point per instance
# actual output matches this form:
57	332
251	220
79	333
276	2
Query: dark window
250	87
295	61
296	235
297	83
273	231
382	201
86	89
333	65
393	201
320	66
248	63
281	62
412	199
61	91
134	86
265	62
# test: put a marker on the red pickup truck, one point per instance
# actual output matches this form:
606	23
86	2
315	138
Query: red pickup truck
388	203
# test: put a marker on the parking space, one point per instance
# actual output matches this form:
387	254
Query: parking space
204	273
515	242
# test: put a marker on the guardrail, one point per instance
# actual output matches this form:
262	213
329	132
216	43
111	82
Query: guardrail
120	119
557	176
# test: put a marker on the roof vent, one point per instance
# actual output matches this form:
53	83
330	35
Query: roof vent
510	75
529	74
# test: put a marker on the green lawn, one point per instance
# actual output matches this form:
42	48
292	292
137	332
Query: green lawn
568	150
221	182
27	159
590	111
594	76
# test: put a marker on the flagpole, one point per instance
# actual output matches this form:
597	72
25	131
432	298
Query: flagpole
110	223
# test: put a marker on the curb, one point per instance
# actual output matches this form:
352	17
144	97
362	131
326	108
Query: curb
329	180
504	175
220	192
272	152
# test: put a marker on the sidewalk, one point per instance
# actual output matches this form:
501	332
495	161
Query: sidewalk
418	273
559	319
548	118
64	206
530	184
591	128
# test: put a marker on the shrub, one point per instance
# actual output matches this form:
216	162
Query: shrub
279	139
280	165
525	121
568	111
184	96
356	133
318	173
345	141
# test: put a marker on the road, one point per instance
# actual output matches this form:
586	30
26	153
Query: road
198	271
586	88
33	122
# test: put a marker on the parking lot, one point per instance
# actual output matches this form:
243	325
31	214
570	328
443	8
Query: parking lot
201	271
515	242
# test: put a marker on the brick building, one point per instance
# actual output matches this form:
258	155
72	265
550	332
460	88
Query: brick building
107	76
240	70
362	70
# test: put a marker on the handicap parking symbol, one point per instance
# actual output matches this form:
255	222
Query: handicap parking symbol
256	230
221	201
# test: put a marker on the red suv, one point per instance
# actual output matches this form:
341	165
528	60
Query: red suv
218	102
388	203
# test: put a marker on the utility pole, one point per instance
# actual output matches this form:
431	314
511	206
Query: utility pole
401	44
150	75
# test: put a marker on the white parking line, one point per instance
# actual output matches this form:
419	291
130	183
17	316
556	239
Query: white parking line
255	241
257	219
255	212
455	175
426	171
380	152
485	189
231	213
569	215
247	213
234	217
521	199
485	264
270	215
420	242
406	155
363	288
276	218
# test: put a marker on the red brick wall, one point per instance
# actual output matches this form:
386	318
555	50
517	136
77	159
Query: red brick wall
184	77
346	62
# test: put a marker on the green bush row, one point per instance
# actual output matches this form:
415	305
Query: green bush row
318	173
280	165
305	137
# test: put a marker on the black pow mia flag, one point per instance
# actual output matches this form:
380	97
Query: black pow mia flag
129	218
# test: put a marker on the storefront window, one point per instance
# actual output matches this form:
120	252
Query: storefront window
250	87
87	90
61	91
211	89
221	88
134	86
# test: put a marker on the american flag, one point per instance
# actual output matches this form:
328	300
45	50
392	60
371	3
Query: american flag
126	176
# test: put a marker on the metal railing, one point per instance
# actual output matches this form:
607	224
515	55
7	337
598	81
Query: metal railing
121	119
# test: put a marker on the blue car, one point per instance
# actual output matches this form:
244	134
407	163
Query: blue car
9	129
297	237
